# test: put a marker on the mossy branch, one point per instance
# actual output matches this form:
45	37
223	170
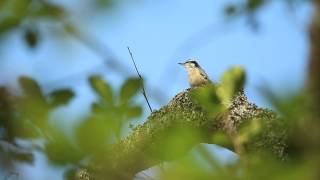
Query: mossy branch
137	151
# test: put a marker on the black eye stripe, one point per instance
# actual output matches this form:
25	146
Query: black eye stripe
194	62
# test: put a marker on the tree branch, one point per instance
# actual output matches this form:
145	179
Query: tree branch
137	151
314	58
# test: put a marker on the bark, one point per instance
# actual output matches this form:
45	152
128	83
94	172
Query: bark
137	151
314	59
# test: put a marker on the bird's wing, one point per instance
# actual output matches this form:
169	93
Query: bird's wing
204	74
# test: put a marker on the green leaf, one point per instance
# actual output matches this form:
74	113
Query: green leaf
253	5
20	7
96	108
31	37
62	151
208	99
134	112
49	10
232	81
60	97
70	173
93	134
30	88
130	88
8	24
102	88
23	129
222	139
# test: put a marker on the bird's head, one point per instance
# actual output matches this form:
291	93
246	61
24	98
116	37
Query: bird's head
190	64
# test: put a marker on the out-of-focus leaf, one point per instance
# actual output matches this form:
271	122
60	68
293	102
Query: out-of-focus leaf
249	130
134	112
208	99
222	139
93	134
31	37
8	23
6	111
15	152
61	151
49	10
2	4
13	13
96	108
231	10
232	81
104	3
130	88
70	174
32	105
178	142
23	129
253	5
31	88
18	8
60	97
293	107
102	88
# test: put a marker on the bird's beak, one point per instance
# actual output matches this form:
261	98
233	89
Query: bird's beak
181	64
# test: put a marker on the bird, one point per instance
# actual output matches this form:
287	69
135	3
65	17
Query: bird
196	75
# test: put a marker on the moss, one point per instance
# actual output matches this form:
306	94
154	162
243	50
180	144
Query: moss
135	152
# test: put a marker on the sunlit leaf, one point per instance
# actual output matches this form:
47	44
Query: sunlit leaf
93	135
61	151
177	142
232	81
208	99
130	88
60	97
102	88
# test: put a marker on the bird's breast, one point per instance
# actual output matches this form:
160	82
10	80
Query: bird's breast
196	79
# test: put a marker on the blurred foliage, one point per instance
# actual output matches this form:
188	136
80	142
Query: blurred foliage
215	98
295	123
15	12
301	159
27	116
231	82
250	8
29	16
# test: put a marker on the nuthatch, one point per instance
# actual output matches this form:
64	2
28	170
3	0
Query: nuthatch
197	76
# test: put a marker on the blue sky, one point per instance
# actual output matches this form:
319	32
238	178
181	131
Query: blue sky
159	34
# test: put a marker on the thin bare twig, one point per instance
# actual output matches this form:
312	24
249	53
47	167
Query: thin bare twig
143	90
